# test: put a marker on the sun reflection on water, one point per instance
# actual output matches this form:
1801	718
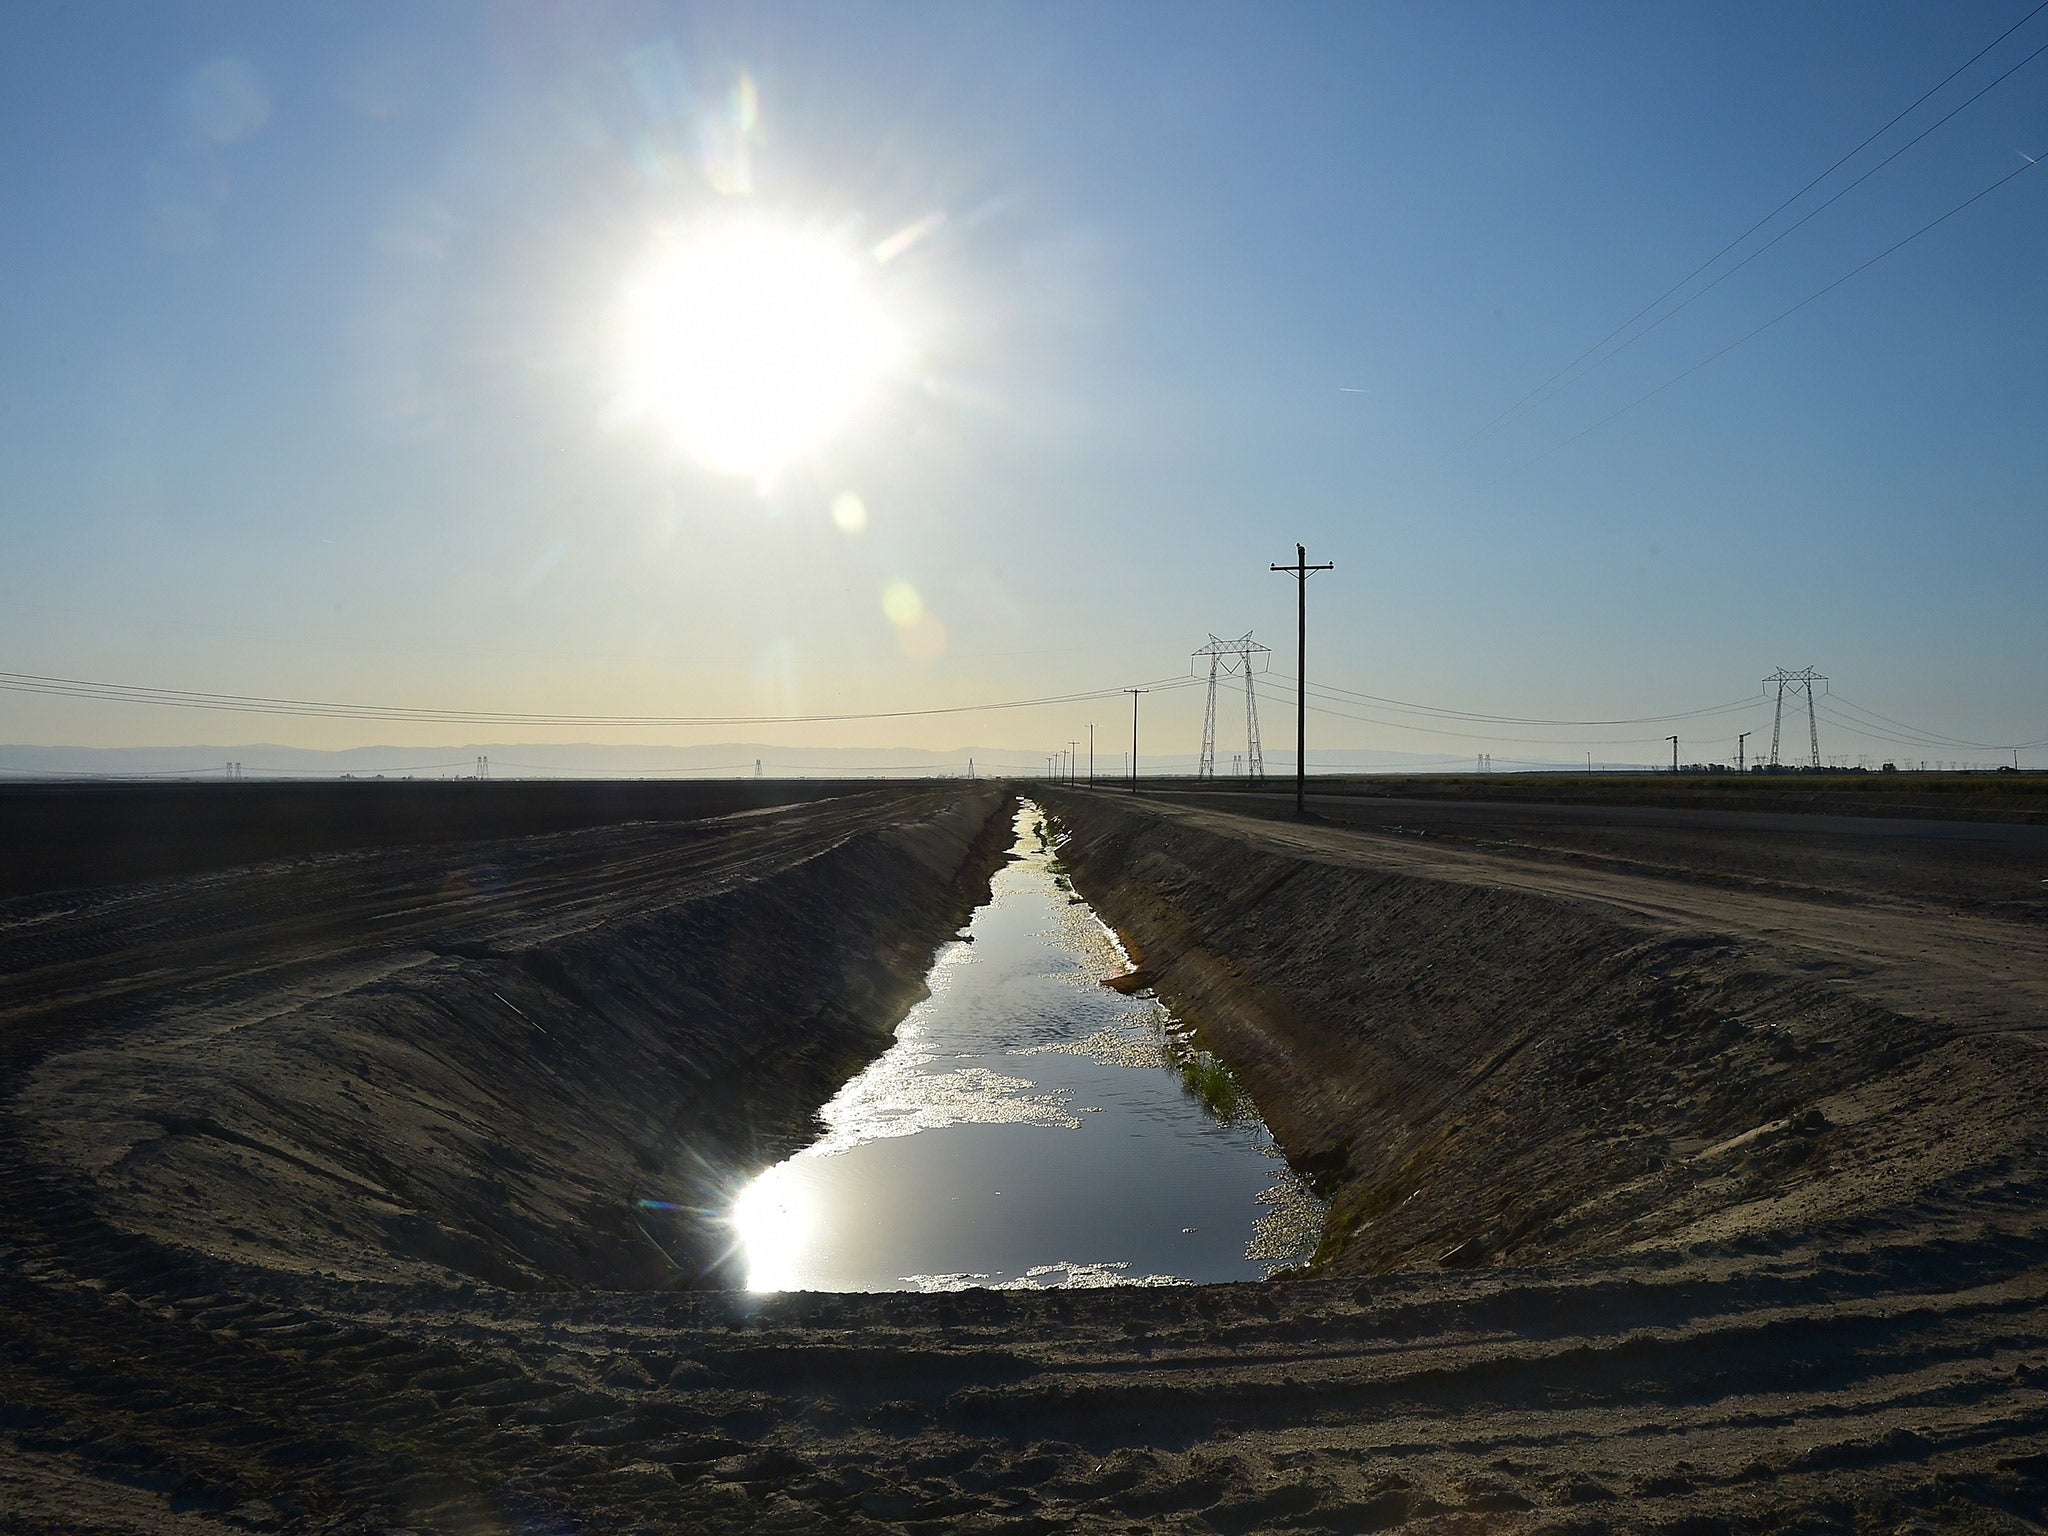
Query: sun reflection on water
775	1216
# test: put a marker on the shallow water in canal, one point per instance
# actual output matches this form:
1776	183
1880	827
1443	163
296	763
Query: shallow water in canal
1030	1127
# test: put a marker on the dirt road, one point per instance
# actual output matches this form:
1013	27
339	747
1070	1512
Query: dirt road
1979	865
1936	917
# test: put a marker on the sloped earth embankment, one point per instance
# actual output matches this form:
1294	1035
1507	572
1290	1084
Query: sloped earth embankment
574	1058
1871	1360
1478	1072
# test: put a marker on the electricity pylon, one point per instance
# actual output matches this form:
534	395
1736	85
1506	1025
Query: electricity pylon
1226	659
1796	682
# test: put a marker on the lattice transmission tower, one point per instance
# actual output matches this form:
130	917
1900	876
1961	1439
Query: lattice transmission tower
1227	658
1796	683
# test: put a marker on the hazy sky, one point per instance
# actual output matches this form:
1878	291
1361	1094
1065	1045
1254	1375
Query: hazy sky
317	366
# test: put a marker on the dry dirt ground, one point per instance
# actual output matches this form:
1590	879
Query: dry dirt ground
1668	1194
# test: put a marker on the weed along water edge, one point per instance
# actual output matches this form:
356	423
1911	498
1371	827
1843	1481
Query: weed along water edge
1031	1128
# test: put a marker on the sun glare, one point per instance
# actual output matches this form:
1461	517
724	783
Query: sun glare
751	343
773	1218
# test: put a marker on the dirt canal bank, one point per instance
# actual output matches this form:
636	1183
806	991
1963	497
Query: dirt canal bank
1491	1056
545	1062
1658	1206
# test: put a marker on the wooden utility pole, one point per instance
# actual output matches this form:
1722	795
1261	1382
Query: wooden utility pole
1134	692
1301	570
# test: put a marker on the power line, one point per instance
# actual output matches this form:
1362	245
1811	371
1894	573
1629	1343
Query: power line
371	768
1915	735
1912	736
1324	699
1759	330
1759	224
1917	738
1798	223
179	698
583	773
110	773
1285	687
1879	733
1932	736
206	772
1468	715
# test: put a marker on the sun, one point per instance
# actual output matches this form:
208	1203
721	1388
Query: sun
752	342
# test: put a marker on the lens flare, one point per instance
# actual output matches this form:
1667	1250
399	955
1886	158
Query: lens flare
774	1217
902	604
849	512
752	342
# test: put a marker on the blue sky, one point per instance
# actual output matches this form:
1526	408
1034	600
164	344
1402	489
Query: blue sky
306	391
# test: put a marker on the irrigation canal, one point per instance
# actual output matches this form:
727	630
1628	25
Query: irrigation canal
1030	1127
